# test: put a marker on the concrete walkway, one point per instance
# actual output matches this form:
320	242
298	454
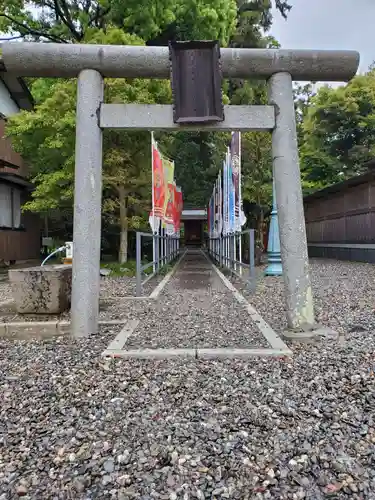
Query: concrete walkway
198	312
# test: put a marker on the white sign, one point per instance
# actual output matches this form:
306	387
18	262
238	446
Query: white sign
69	249
47	241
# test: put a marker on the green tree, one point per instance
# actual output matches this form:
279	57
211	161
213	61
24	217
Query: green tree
46	139
257	175
198	157
302	101
338	131
64	21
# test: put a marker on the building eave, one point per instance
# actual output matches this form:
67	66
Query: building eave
15	179
17	89
196	214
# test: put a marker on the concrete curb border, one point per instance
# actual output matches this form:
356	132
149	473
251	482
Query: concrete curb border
40	330
224	353
125	298
122	337
200	354
150	353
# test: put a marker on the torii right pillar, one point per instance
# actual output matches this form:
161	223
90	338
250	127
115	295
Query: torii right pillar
287	176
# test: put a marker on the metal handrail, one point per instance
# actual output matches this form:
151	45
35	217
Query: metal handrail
167	249
221	250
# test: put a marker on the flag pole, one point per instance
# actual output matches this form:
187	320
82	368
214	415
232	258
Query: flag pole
216	218
232	208
209	225
240	200
225	212
220	228
153	205
227	207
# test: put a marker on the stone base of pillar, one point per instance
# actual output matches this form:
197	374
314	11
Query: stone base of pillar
312	335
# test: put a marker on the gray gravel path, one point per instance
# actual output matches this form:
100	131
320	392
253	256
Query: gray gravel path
196	310
76	426
344	296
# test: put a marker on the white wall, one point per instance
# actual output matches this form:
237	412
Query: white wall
7	106
10	218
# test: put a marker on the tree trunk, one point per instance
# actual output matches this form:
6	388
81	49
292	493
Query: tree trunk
261	228
46	225
123	200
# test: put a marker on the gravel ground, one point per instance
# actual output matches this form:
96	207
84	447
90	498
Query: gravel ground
126	286
116	309
75	426
5	290
343	296
196	310
111	288
123	286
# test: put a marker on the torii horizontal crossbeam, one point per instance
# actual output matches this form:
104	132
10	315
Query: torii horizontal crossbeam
160	117
122	61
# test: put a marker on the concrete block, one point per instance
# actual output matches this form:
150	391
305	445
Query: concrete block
42	290
40	330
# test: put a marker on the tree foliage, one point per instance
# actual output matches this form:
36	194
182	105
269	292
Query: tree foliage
257	168
46	136
65	21
46	140
338	131
336	126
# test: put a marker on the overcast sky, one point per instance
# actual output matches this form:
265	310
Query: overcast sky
329	24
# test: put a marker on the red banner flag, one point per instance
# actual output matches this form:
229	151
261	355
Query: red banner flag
158	182
170	208
178	209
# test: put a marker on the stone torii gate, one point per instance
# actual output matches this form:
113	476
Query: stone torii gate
92	63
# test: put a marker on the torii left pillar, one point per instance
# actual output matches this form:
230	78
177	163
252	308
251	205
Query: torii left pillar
87	205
